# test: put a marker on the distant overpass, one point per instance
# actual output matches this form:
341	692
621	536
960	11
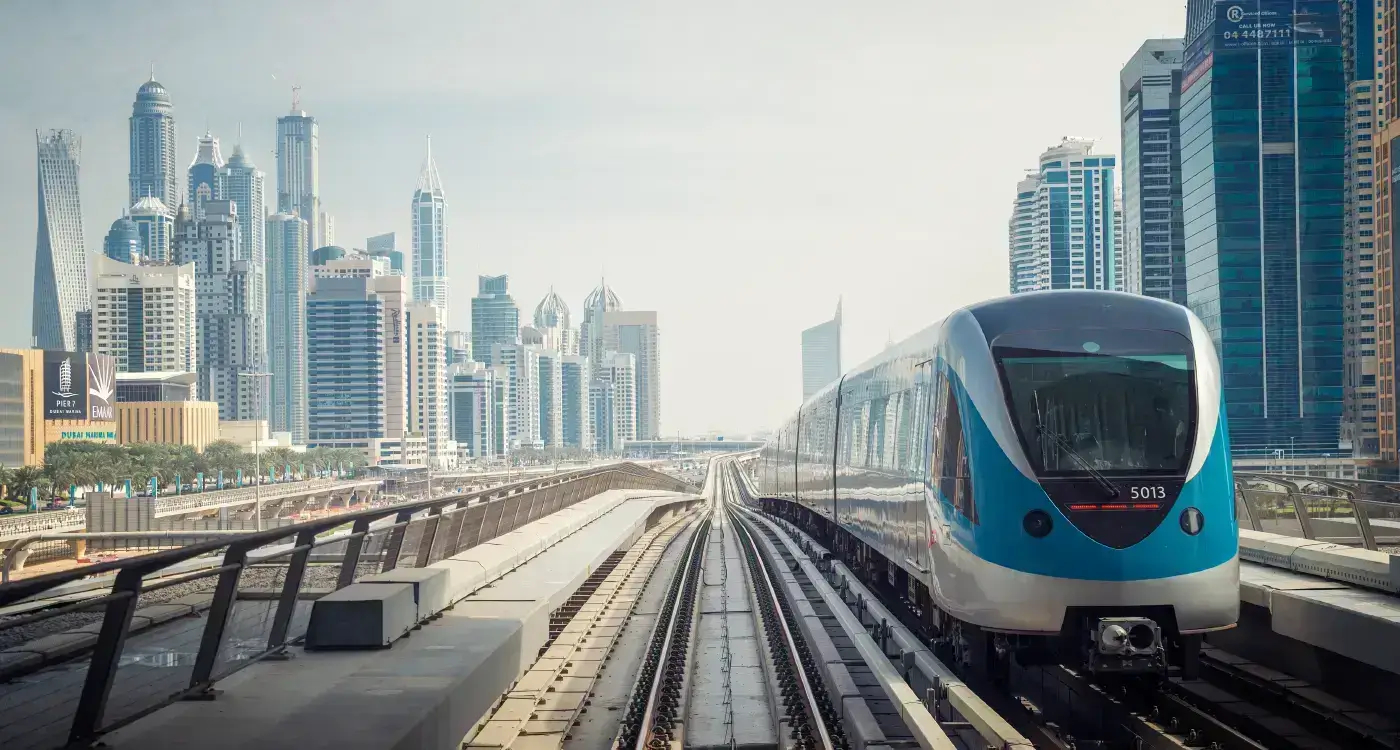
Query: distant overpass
648	448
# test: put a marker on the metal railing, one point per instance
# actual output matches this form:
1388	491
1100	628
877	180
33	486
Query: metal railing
1354	512
252	605
167	505
34	523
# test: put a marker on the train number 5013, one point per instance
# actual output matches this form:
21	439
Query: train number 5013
1149	493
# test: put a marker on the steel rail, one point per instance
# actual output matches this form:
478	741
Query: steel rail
809	696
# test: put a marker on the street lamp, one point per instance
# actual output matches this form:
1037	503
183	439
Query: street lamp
257	446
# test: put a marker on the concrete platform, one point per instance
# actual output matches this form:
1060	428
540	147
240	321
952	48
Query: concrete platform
1331	615
429	689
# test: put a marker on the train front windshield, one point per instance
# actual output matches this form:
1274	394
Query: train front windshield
1110	401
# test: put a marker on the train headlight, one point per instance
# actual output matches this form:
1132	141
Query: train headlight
1127	636
1192	521
1037	523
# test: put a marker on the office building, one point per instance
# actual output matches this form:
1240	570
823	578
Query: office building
551	394
428	412
619	372
155	224
83	327
30	421
1154	247
288	283
145	317
1264	221
1077	242
241	182
430	237
601	300
472	391
577	421
192	423
602	412
123	241
522	371
345	353
153	146
60	259
204	175
299	170
1360	429
635	332
231	298
362	266
157	386
821	355
495	318
383	246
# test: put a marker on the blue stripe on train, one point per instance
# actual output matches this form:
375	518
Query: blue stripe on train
1004	495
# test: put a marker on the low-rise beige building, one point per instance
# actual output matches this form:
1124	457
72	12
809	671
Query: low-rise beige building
193	423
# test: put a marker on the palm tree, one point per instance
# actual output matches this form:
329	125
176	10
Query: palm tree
26	478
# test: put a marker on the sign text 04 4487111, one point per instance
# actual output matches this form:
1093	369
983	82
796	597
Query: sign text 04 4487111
1263	24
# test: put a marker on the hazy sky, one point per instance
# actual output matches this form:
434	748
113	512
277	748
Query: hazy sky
733	165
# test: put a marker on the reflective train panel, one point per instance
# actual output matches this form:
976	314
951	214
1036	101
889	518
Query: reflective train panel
1046	465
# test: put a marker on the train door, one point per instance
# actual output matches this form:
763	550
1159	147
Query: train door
917	500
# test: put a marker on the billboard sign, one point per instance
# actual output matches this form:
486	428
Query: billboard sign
102	387
65	386
1265	24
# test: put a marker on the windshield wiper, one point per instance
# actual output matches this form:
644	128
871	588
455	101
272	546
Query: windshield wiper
1108	487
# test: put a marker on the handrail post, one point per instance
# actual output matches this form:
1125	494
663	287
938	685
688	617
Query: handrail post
1251	513
395	545
1363	524
291	589
106	657
225	594
425	542
351	561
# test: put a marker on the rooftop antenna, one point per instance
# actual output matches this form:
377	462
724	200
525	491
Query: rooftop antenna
153	70
296	97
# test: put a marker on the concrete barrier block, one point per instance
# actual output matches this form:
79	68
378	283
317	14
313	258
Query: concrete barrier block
431	590
463	576
1341	563
363	615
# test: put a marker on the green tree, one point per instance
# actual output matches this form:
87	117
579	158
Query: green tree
26	478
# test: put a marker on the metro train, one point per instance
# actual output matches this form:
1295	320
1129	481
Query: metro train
1045	475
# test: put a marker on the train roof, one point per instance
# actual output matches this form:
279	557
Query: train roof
1074	308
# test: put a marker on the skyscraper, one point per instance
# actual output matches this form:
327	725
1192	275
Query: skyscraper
599	301
230	301
821	355
60	260
495	318
551	390
1154	248
153	146
1262	133
326	229
521	364
123	241
1387	205
287	286
299	170
204	184
1075	199
345	345
553	322
241	182
635	332
430	237
1026	268
619	373
155	224
471	386
577	420
428	412
145	316
1361	365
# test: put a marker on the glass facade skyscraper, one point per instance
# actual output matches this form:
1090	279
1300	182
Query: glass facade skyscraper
288	280
153	147
495	317
1154	248
204	184
60	260
299	170
430	238
241	182
345	351
1263	165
